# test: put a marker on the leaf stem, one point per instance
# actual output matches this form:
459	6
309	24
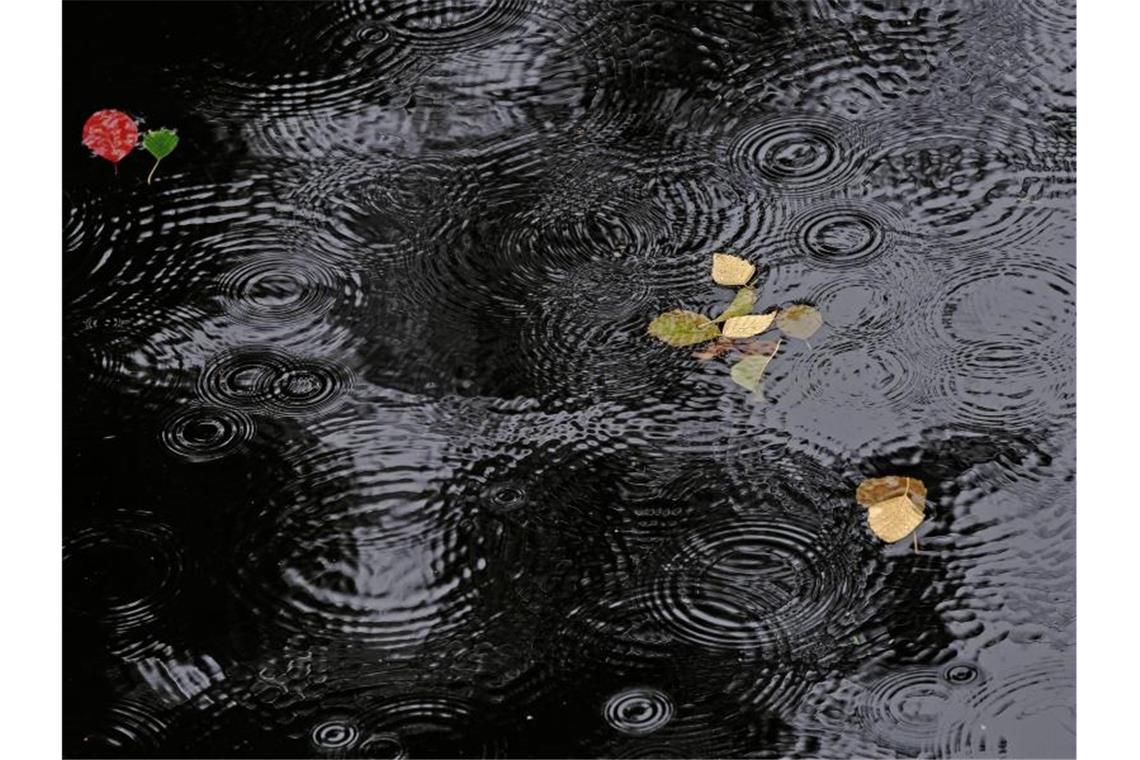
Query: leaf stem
151	175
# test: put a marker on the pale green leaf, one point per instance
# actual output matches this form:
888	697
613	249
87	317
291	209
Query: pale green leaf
683	328
750	370
799	321
742	304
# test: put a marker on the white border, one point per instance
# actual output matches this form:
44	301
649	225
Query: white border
30	385
1108	209
1108	285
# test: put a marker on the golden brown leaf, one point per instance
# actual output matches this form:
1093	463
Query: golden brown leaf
894	519
731	270
746	327
799	321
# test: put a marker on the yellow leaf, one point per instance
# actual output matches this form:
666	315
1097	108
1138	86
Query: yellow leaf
894	519
895	505
731	270
683	328
799	321
874	490
742	304
746	327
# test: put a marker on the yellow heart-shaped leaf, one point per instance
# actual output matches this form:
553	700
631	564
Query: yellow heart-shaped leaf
746	327
731	270
894	519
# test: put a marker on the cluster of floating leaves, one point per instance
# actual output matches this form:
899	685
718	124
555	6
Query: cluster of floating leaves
895	506
737	328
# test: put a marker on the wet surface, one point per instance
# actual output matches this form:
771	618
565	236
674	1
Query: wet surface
367	450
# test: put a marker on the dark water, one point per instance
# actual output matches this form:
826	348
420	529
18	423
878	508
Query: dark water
367	450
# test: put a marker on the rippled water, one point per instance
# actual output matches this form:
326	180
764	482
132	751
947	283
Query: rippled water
368	453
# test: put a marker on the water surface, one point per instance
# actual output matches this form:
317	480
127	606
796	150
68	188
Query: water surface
367	450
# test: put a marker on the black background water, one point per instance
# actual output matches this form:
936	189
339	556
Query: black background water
368	454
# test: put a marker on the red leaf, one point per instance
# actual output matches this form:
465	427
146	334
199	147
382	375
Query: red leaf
110	134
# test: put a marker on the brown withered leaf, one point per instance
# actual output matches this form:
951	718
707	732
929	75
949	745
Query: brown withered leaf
717	348
875	490
757	347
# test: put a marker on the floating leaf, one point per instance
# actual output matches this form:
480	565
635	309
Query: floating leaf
159	143
799	321
874	490
894	519
731	270
895	506
742	304
748	371
746	327
683	328
110	134
717	348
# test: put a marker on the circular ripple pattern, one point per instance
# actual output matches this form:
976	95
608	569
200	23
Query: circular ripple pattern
998	386
639	711
123	572
202	434
126	728
1018	715
846	234
265	379
335	734
853	373
906	710
961	673
243	378
274	291
761	584
1030	303
451	25
309	388
505	497
796	154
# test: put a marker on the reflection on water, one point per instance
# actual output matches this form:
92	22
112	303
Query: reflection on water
369	453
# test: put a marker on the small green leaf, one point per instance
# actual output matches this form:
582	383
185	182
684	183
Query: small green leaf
749	371
742	304
160	142
683	328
